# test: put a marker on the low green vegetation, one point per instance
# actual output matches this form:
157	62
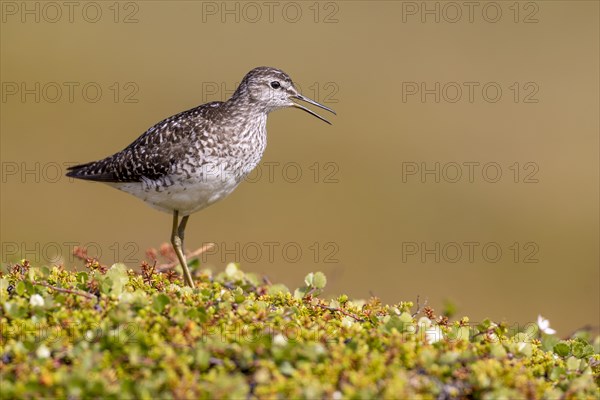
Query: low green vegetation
116	333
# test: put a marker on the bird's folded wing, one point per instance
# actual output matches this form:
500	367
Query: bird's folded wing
152	155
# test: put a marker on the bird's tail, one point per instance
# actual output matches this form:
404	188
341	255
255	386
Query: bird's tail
92	171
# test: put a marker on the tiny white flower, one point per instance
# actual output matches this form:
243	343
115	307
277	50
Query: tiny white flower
424	323
36	300
544	326
90	335
347	322
279	340
337	395
434	334
126	297
231	270
42	352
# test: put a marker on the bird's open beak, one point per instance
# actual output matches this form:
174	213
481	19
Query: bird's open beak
309	101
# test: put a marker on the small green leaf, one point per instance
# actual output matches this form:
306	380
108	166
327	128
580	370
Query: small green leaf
160	302
497	350
549	341
449	309
300	292
197	314
526	349
557	372
3	290
202	358
194	264
406	318
374	318
319	280
562	349
484	325
29	288
106	285
308	280
581	350
14	310
401	323
118	275
238	295
277	288
20	288
464	333
573	363
82	277
522	337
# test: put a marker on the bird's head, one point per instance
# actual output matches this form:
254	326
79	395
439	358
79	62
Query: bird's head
271	89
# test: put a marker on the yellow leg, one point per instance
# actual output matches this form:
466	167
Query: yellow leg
177	241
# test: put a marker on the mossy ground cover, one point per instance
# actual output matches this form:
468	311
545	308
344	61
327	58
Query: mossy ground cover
110	332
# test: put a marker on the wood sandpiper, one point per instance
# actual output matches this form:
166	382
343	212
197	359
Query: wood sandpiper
195	158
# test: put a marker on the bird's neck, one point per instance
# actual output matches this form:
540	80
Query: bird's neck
246	114
243	102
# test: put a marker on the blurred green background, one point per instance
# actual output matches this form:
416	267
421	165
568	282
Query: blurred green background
81	82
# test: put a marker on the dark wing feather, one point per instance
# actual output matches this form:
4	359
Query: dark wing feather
153	154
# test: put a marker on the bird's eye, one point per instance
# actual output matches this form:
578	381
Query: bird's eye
275	85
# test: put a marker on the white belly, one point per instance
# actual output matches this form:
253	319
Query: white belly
187	195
